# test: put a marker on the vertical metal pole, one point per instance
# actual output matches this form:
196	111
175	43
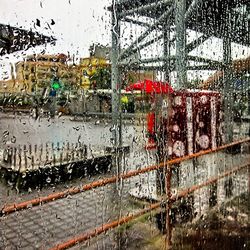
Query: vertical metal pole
181	57
227	82
161	140
166	51
116	115
115	84
168	207
167	171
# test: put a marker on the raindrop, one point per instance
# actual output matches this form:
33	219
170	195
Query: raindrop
13	139
38	23
48	179
29	205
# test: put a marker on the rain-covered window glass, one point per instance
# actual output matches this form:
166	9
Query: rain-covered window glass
124	124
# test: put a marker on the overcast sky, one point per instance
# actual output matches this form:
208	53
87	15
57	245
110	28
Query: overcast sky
78	24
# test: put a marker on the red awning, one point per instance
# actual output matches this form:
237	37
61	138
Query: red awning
151	87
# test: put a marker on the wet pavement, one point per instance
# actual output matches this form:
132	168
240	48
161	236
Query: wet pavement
45	226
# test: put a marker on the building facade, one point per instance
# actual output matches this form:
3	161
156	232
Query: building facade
37	71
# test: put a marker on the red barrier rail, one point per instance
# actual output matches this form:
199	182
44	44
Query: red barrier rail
105	227
75	190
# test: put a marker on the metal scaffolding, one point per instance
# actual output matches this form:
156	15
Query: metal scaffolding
222	19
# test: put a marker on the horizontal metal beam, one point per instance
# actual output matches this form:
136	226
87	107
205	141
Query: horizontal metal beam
146	44
141	62
144	8
151	60
197	42
129	20
202	67
141	67
162	18
205	60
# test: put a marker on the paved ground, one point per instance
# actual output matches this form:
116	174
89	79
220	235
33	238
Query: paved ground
45	226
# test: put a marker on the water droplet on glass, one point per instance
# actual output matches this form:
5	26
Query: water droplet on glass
48	179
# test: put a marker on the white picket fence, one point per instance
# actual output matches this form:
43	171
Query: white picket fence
32	157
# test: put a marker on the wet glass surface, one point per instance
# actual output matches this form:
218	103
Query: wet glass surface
124	124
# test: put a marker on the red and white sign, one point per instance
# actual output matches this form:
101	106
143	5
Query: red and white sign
193	122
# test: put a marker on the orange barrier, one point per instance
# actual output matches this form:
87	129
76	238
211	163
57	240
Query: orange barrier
105	227
184	193
75	190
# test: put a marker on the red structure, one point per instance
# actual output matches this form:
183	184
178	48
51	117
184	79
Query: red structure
150	87
153	89
193	123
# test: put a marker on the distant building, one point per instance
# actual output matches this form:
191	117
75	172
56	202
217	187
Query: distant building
13	86
100	51
37	71
100	57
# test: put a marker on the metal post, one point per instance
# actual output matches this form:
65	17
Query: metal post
160	173
115	74
116	115
169	226
227	82
181	58
166	50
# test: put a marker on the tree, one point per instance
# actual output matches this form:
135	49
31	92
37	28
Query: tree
101	79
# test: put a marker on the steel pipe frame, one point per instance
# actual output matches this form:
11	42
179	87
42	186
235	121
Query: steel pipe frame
197	42
205	60
191	8
212	63
153	59
227	81
105	227
202	67
141	67
146	44
162	18
166	51
129	20
75	190
149	6
181	54
189	47
144	8
116	136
